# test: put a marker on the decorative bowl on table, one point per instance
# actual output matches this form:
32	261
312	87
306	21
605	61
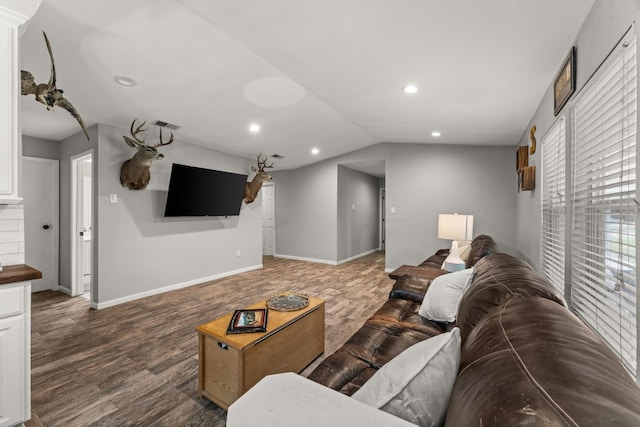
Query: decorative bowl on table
287	301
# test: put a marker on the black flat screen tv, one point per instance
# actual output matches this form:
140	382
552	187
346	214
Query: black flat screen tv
197	191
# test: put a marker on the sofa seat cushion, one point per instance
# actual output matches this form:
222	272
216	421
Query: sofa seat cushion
532	362
395	327
413	287
343	372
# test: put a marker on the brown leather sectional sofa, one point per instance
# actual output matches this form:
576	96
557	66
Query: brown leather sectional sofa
396	325
525	358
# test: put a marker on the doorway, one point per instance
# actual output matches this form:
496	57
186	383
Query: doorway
41	219
81	224
268	219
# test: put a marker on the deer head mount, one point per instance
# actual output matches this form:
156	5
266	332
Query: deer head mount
134	173
252	187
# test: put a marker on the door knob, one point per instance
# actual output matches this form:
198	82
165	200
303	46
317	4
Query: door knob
45	227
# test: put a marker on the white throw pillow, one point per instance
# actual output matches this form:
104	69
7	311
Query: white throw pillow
440	303
416	384
463	252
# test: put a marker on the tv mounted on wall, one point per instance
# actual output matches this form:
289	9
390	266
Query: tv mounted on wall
197	191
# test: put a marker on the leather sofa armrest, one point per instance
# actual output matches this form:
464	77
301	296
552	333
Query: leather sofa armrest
418	271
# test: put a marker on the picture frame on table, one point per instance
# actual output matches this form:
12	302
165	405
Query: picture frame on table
565	82
248	320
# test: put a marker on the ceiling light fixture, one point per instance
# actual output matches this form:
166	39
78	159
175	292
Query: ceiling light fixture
410	89
125	81
254	128
435	133
315	151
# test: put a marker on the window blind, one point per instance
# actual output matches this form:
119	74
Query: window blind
554	204
603	246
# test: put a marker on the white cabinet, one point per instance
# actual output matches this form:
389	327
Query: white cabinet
9	107
15	353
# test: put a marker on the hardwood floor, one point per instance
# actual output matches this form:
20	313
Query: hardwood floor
136	364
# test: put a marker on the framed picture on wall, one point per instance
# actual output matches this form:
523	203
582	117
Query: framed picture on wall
565	83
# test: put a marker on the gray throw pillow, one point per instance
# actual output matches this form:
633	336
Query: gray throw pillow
416	384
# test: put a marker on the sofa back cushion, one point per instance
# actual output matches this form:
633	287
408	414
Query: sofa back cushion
496	279
481	246
532	362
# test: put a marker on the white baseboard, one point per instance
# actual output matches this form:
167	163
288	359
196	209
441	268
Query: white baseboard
64	289
299	258
157	291
324	261
358	256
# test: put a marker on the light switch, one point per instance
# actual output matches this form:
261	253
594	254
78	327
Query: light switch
113	198
393	209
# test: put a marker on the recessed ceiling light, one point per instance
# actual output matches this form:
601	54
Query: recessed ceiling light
125	81
435	133
315	151
254	127
410	89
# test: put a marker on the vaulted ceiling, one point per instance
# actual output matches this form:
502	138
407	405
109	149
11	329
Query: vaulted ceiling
326	74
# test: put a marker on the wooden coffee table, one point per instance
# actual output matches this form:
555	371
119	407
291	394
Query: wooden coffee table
231	364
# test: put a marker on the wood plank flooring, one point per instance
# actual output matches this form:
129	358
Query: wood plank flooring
136	364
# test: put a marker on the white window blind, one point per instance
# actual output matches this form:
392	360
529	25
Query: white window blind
603	247
554	203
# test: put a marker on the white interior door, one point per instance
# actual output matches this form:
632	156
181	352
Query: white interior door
268	219
81	220
41	230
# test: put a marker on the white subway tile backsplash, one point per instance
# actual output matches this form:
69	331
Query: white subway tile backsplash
8	224
11	212
11	234
13	259
9	248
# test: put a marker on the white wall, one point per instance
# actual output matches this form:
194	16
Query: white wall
358	213
306	212
139	251
40	147
604	26
422	180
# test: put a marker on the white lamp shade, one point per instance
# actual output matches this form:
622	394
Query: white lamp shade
455	227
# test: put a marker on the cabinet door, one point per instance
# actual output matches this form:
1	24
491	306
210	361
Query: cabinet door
10	137
12	371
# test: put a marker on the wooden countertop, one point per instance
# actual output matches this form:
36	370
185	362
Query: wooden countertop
18	273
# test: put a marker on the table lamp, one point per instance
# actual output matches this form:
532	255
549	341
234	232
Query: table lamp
455	227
